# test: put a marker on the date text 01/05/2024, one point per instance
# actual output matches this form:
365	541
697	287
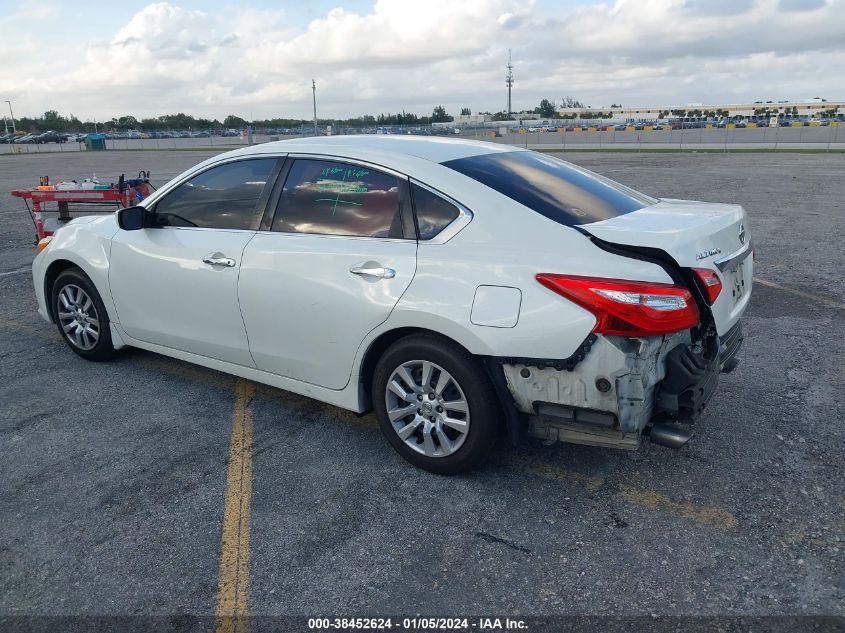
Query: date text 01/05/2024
417	624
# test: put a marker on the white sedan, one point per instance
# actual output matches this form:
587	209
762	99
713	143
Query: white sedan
460	289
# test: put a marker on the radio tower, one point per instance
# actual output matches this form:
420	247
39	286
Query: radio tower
509	81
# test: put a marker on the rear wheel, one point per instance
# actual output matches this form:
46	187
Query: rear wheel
81	316
435	404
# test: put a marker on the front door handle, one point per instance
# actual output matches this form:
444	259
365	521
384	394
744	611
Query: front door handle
373	271
218	259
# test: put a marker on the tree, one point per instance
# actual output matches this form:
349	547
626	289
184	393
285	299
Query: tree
569	102
128	122
233	122
547	109
439	115
466	112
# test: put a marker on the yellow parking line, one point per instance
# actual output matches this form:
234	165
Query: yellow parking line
233	582
705	515
800	293
698	513
185	370
554	472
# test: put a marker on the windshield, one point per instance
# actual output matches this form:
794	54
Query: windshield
554	188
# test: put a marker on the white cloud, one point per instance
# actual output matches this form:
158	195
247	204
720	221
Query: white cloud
411	55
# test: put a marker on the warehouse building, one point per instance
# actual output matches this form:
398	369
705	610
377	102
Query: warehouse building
803	109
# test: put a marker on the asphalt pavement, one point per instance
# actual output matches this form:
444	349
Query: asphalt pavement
113	476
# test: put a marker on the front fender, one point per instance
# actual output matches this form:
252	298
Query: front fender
86	245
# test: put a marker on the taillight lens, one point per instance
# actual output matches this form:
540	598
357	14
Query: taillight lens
628	308
710	282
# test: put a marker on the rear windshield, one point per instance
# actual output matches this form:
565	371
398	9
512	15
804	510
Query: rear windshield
554	188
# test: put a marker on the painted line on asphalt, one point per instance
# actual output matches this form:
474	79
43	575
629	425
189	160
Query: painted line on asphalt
800	293
698	513
233	581
703	514
47	331
16	272
545	470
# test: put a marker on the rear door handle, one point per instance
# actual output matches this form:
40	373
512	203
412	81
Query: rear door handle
373	271
218	259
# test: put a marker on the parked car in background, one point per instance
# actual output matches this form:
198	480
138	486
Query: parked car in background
457	288
51	136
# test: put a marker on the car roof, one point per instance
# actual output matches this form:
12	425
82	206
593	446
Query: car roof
435	149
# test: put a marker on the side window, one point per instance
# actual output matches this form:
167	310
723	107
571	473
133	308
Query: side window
332	198
433	212
223	197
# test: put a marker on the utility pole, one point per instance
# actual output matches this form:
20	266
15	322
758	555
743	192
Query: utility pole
509	82
13	116
314	91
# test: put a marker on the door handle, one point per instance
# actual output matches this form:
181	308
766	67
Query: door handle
217	259
373	271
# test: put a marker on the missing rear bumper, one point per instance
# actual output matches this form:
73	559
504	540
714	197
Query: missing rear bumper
624	389
729	346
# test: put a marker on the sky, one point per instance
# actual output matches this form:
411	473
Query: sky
256	58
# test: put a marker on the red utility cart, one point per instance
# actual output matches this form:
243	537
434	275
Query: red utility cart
125	193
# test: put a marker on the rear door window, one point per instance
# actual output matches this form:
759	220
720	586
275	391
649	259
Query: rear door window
554	188
336	198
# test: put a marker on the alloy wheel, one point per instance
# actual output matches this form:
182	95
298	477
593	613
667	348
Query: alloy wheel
427	408
78	317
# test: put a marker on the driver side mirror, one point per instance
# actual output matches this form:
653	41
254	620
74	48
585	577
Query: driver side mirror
132	218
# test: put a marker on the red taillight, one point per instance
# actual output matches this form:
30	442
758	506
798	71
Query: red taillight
710	282
628	308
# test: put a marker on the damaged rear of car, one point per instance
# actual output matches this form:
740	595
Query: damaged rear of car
652	360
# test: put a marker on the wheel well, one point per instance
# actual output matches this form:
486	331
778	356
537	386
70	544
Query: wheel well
378	347
53	271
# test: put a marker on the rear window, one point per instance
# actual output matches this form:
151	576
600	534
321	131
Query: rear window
554	188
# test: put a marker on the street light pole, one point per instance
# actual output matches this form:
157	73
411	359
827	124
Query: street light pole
314	90
14	131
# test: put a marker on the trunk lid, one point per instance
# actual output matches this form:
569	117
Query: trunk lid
696	235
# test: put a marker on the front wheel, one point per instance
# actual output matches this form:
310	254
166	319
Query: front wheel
435	404
81	316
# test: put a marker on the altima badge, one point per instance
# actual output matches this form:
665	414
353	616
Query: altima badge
708	253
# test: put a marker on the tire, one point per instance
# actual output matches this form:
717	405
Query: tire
81	316
454	431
